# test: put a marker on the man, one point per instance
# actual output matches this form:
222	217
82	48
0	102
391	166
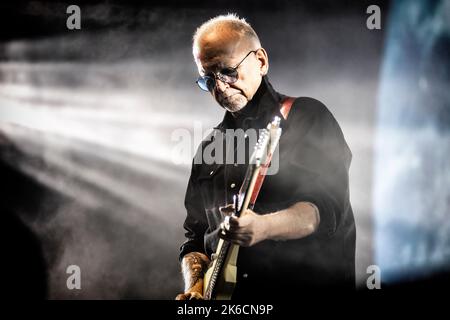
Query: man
301	233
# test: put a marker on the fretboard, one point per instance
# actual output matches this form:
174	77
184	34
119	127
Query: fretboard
220	261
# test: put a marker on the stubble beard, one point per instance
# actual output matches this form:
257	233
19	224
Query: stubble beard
234	103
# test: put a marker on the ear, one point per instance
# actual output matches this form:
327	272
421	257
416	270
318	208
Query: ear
263	59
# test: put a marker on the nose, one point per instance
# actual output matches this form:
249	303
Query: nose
221	86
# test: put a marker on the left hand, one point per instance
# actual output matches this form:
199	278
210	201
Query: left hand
245	231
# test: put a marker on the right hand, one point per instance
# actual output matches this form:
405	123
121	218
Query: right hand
190	295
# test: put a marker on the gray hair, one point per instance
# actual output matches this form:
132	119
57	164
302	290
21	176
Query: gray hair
230	21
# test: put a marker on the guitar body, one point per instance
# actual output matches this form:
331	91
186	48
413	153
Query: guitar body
226	281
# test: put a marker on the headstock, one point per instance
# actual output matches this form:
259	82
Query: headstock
267	143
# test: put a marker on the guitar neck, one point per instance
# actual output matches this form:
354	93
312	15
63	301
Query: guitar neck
218	266
246	198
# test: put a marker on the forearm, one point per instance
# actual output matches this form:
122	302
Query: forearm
193	267
295	222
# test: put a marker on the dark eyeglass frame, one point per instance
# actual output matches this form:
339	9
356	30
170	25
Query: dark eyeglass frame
228	75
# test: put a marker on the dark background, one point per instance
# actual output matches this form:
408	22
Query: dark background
87	115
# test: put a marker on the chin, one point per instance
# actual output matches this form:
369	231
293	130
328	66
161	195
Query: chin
234	106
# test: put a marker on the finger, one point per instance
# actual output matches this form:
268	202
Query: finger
181	296
222	230
226	223
234	236
230	205
233	221
236	231
229	208
241	239
195	296
229	238
229	225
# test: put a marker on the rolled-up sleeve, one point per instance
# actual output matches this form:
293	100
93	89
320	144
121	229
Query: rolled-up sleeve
319	161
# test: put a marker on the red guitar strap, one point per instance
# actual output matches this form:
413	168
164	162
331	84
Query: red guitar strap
286	106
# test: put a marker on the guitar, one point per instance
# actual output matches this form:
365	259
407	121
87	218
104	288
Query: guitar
220	278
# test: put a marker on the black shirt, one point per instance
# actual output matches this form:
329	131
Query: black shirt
314	160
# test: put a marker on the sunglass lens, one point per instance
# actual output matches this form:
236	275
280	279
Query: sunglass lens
210	83
206	83
228	75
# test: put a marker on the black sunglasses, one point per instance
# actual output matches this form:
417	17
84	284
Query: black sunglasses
227	75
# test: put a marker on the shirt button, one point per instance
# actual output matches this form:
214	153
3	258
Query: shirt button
211	173
232	185
245	275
